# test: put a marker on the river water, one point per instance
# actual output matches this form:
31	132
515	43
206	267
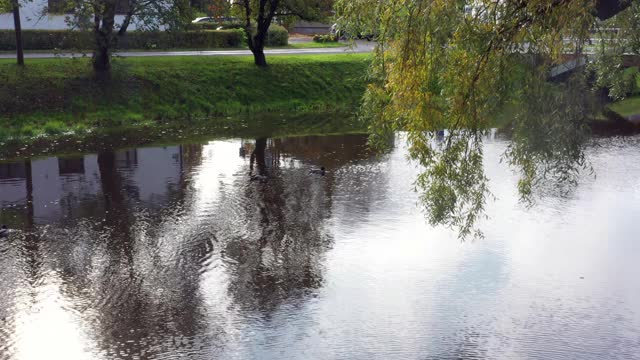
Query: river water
173	252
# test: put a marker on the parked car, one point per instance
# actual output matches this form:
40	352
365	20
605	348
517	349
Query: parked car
214	20
217	23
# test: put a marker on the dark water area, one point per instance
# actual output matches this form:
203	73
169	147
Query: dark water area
181	251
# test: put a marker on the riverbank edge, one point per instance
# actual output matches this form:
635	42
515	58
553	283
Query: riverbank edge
197	131
53	100
52	97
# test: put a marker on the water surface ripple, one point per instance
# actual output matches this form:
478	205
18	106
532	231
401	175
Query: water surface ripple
182	251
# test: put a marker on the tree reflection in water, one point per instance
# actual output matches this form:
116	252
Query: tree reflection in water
131	262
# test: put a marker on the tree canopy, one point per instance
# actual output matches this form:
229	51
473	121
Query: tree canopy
460	65
258	15
100	17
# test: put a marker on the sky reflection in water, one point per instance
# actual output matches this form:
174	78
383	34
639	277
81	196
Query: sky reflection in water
165	251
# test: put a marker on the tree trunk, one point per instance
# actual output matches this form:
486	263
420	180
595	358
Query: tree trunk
104	38
18	30
101	60
259	154
256	44
256	41
125	23
259	58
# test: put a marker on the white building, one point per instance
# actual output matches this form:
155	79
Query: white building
34	16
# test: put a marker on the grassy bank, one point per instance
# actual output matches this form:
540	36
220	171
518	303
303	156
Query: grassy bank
194	131
627	107
54	95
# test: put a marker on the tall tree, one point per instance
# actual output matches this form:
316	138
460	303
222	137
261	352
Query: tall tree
456	65
259	14
14	7
100	17
18	29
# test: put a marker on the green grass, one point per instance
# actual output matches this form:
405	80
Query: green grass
315	45
627	107
52	96
630	105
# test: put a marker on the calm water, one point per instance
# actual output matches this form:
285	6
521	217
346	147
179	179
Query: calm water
169	252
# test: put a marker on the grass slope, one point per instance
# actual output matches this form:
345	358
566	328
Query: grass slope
631	105
627	107
57	95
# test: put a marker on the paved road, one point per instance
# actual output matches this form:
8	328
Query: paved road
359	47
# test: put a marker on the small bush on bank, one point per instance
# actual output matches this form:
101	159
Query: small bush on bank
74	40
325	38
277	36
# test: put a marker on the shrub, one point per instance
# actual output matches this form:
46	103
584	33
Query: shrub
54	127
277	36
325	38
79	40
232	26
47	39
223	25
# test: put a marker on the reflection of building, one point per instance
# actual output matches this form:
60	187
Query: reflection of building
12	183
56	181
60	185
152	172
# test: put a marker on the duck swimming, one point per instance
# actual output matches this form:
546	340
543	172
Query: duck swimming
320	171
4	231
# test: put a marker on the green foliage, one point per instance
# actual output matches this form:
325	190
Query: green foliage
54	127
47	39
223	22
277	36
54	94
548	137
5	6
259	15
79	40
223	25
627	107
315	45
99	17
439	66
325	38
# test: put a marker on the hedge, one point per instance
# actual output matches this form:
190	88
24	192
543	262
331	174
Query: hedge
78	40
276	36
325	38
